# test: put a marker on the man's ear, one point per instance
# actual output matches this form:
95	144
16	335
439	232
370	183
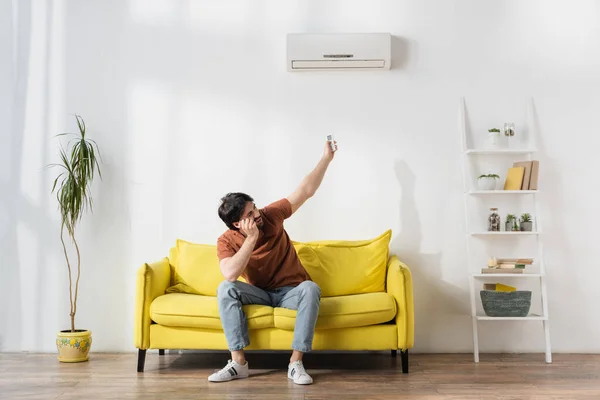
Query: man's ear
237	225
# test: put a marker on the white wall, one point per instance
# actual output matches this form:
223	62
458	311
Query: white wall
191	99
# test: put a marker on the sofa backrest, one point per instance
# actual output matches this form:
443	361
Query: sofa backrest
338	267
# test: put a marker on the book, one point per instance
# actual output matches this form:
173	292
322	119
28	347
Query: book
527	174
499	287
514	178
502	270
527	261
535	170
511	265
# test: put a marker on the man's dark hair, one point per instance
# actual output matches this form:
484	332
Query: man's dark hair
232	206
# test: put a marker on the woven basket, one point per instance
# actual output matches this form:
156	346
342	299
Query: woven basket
506	304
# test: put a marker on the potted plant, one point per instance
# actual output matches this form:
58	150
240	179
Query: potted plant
510	219
487	181
493	135
515	225
526	223
78	165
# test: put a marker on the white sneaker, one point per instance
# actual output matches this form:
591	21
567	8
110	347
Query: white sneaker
297	372
232	370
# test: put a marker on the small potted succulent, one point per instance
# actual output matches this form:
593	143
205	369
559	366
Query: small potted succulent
526	222
515	226
494	135
510	221
487	181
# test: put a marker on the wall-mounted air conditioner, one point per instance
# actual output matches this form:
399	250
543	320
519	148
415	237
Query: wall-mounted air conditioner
338	51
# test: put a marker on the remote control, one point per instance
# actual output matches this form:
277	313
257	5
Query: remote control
331	141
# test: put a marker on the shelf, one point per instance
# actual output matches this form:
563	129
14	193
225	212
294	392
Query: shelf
531	317
500	151
525	275
484	192
503	233
474	157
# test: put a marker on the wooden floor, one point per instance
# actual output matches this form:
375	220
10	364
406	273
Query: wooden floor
336	376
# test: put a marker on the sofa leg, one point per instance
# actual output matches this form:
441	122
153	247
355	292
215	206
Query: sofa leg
141	360
404	356
161	352
394	352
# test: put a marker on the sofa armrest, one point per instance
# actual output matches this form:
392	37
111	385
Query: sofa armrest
152	281
399	285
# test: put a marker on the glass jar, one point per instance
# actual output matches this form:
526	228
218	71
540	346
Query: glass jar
509	131
494	220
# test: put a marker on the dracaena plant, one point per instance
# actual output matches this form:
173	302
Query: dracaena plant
78	166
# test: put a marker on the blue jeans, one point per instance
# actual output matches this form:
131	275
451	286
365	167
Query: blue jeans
305	298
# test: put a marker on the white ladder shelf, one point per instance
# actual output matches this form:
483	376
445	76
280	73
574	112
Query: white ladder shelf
467	154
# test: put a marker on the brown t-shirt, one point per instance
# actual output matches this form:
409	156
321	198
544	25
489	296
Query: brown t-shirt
274	262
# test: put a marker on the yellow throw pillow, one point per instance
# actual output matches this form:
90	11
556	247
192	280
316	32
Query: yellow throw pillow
347	267
196	268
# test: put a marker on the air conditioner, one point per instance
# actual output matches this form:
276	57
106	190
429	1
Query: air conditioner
338	51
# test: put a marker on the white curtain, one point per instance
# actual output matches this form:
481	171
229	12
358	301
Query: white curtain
10	322
30	99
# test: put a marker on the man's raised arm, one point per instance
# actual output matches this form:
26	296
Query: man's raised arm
312	181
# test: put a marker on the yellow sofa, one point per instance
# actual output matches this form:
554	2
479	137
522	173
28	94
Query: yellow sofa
366	301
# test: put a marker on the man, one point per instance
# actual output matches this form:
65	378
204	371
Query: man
257	247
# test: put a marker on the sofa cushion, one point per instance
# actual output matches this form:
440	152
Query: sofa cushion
339	267
345	312
196	269
347	267
195	311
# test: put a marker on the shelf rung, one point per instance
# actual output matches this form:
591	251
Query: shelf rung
531	317
525	275
504	233
499	151
490	192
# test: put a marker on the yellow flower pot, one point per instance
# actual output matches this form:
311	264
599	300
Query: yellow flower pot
73	346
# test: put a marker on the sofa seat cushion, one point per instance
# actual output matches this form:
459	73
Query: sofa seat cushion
196	311
345	311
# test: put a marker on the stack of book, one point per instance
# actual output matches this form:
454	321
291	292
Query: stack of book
523	176
507	266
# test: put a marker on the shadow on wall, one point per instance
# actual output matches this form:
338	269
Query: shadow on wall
433	297
31	225
107	283
31	240
551	181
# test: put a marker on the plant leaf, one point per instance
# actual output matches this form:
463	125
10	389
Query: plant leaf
79	162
